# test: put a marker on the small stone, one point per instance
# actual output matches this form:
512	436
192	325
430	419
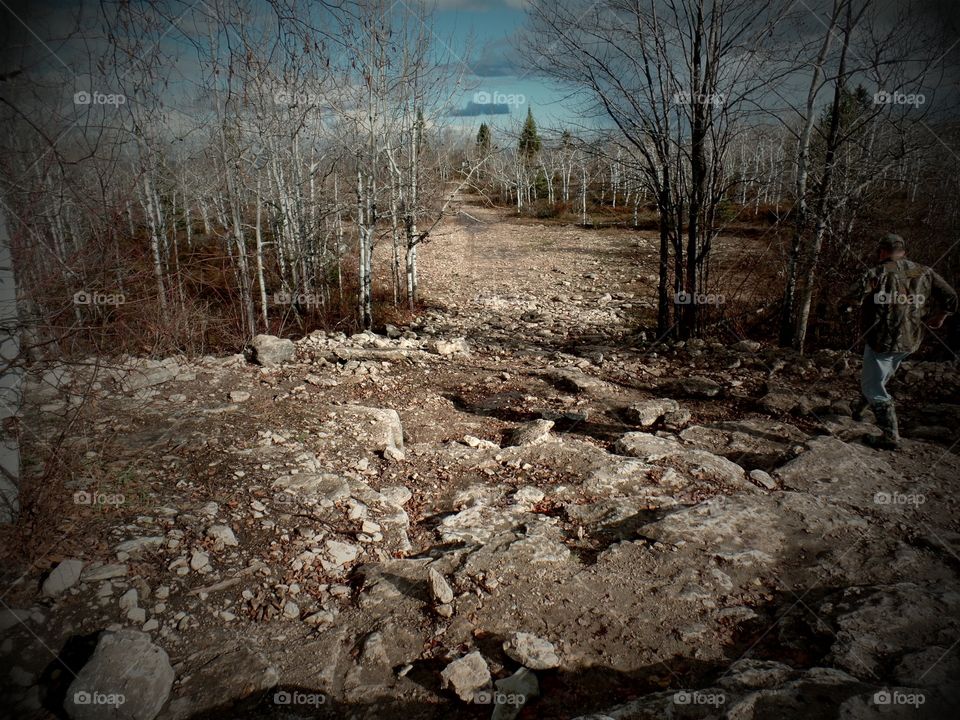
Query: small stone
394	454
137	615
647	412
341	553
223	535
699	386
531	651
763	479
466	676
440	589
319	619
199	561
104	572
63	577
291	610
445	610
129	599
150	625
532	433
239	396
397	494
139	544
528	496
457	346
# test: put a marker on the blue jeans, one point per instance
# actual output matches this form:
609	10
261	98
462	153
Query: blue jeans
878	368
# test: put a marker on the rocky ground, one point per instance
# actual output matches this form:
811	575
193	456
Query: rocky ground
518	506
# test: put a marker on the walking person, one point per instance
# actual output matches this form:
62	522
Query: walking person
898	297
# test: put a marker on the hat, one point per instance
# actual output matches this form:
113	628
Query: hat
891	242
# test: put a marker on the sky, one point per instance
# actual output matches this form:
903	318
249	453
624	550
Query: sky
477	37
480	38
499	90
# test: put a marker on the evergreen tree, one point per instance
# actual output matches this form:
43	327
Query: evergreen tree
529	137
483	140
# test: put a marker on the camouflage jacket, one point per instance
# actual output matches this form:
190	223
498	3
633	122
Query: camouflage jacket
896	296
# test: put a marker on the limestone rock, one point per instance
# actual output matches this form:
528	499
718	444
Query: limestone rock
440	589
270	351
531	433
531	651
223	535
698	386
374	428
457	346
466	676
127	665
64	576
103	572
646	412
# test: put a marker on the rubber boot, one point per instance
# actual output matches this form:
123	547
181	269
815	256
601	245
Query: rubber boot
887	421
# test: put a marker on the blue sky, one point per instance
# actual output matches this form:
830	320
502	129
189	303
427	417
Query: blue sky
493	68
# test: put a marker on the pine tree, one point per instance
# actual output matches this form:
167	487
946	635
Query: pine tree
529	137
483	140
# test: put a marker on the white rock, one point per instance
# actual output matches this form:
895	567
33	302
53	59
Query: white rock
466	676
222	534
104	572
124	663
129	599
439	587
199	561
531	651
291	610
63	577
139	544
341	553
